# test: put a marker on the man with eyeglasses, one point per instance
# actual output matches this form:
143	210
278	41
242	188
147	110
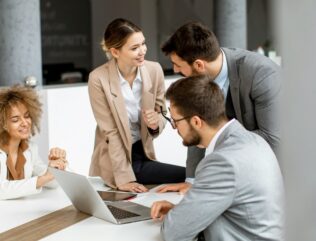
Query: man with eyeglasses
249	81
172	122
238	190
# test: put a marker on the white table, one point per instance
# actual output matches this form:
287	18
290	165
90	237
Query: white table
97	229
20	211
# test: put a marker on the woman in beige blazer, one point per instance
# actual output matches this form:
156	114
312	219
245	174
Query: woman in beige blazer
127	96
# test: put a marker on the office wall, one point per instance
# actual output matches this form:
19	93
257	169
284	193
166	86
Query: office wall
141	12
298	38
157	18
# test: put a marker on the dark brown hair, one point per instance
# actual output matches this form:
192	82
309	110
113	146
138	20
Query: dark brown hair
13	96
117	33
193	41
198	96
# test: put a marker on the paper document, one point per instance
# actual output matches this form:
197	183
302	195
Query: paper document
148	198
98	184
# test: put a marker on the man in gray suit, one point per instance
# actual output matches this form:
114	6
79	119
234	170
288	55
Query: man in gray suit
238	191
249	81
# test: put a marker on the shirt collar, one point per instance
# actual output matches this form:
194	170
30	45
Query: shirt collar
211	146
223	74
123	81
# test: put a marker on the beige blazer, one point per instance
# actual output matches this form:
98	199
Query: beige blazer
111	158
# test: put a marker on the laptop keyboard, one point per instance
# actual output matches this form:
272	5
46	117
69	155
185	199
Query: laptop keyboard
121	213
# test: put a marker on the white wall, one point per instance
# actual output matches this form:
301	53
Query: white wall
68	122
298	39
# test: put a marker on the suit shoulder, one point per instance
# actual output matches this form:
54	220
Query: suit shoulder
100	70
220	158
253	59
98	74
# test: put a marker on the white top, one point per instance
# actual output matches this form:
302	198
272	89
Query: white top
133	96
211	146
33	168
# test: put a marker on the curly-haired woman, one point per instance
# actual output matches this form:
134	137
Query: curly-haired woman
21	170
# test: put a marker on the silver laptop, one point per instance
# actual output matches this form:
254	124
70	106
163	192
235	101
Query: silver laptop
86	199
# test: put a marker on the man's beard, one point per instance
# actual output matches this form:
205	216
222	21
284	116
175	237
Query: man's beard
192	138
193	72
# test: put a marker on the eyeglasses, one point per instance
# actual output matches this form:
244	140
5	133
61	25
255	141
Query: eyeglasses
172	121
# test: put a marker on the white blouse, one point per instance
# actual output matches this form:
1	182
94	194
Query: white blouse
133	97
33	168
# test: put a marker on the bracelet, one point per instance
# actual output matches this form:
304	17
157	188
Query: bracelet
153	132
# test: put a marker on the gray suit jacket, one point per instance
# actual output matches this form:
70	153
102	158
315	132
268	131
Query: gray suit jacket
255	88
237	193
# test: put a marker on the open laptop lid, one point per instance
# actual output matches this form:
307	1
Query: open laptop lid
82	194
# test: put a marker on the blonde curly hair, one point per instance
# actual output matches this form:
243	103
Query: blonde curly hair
13	96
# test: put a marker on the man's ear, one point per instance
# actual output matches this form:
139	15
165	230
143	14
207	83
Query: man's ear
196	122
114	52
199	66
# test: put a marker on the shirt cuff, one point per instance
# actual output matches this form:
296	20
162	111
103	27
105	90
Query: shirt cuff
189	180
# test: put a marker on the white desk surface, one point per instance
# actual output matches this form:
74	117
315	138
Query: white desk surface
19	211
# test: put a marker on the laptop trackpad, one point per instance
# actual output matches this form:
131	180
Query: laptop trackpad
132	207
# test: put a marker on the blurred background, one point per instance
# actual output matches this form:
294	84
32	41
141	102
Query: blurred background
63	36
57	42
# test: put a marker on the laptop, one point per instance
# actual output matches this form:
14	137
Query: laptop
86	199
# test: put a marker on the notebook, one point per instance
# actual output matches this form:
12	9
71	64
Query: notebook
86	199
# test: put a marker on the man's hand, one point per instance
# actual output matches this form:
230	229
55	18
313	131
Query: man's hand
160	209
133	187
182	187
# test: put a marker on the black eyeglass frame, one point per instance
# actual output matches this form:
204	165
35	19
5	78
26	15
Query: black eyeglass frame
173	122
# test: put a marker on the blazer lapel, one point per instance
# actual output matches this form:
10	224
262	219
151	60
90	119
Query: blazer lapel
234	82
119	103
147	97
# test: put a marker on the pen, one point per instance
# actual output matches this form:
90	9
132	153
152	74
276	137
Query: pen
118	191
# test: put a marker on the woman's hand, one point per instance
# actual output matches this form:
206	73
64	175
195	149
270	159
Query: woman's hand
42	180
133	187
56	153
182	187
151	119
59	163
57	158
